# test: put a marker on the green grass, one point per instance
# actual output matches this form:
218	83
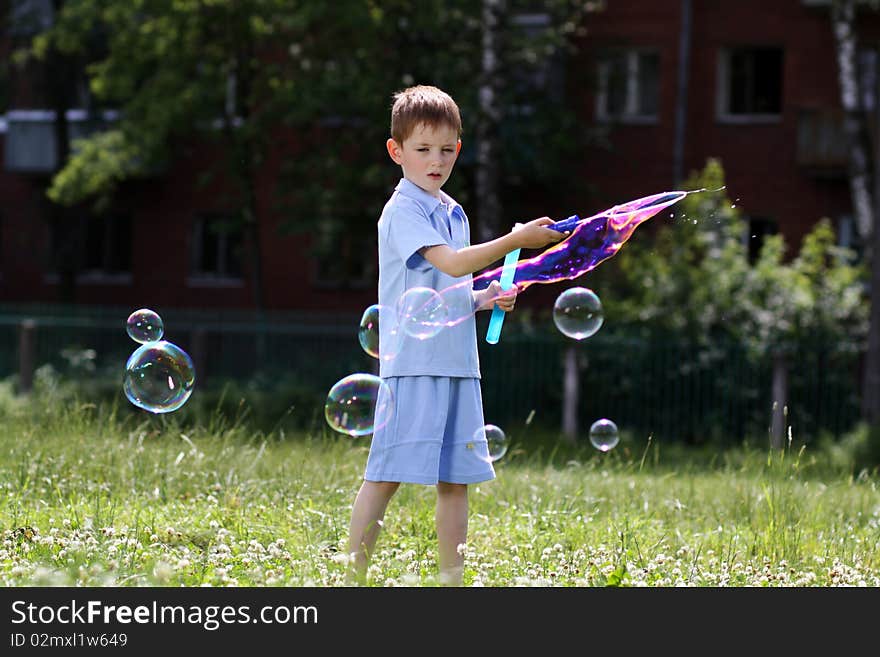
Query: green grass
93	495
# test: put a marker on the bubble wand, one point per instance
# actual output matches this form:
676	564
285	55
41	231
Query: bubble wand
592	240
497	319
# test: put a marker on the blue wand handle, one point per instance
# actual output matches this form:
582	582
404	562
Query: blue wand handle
497	319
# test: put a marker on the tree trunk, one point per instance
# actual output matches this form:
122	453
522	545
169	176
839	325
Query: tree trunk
862	168
26	359
245	167
860	165
871	380
488	203
66	228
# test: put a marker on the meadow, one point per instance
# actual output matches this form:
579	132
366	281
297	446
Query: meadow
92	494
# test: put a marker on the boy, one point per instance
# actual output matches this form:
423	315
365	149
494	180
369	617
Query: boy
434	436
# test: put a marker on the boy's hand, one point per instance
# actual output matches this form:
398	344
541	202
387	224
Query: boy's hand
494	295
535	234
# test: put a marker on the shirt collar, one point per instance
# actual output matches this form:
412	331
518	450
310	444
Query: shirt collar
428	202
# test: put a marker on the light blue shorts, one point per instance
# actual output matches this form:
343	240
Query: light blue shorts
430	435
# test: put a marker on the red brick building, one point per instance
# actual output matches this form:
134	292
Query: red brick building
753	83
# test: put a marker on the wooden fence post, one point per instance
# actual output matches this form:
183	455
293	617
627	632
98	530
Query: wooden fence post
571	386
26	344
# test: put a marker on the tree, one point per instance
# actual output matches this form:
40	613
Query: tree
499	69
309	84
174	69
865	188
817	297
694	280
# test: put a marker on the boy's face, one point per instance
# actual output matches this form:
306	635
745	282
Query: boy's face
427	155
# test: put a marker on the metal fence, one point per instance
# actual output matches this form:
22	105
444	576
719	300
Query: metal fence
659	385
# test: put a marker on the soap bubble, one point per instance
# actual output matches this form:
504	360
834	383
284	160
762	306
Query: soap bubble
578	313
604	435
144	326
369	335
358	404
159	377
422	313
368	331
495	438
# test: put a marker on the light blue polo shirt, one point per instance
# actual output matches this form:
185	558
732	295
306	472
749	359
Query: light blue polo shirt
412	219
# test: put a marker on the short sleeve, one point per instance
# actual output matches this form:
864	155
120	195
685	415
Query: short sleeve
409	231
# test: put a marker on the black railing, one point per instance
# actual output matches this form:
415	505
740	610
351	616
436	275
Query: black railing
660	385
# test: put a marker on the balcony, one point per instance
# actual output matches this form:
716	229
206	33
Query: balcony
30	137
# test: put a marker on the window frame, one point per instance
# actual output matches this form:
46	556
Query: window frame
723	82
633	56
221	277
86	275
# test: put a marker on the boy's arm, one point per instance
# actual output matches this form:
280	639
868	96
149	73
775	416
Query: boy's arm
461	262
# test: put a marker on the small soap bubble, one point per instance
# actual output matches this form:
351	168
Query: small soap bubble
604	435
144	326
578	313
358	404
159	377
422	313
368	332
369	335
495	439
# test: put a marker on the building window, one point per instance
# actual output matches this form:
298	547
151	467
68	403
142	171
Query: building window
217	248
107	246
758	229
96	248
750	84
629	86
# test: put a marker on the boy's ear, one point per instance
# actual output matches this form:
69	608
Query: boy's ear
458	148
393	150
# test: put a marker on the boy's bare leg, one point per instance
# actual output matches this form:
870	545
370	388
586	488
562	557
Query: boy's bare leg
452	526
366	521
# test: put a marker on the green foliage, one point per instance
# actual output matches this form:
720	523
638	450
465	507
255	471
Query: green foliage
858	451
312	88
816	294
694	278
688	274
96	167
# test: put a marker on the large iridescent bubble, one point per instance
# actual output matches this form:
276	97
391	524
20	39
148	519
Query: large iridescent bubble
591	241
358	404
159	377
